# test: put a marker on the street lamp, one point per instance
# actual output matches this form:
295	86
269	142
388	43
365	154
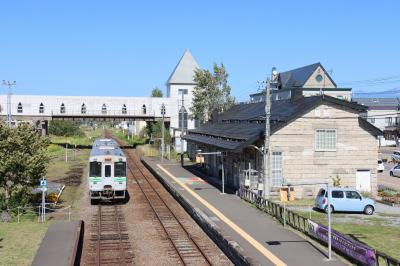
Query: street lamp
9	84
162	132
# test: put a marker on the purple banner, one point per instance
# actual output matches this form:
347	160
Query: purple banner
352	248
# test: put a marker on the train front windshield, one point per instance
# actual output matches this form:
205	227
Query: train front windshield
95	169
120	169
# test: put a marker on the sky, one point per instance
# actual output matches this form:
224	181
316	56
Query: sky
126	48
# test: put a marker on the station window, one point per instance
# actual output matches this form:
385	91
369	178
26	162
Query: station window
120	169
144	109
183	118
104	109
276	169
124	109
62	109
19	108
95	169
182	91
41	108
325	139
83	109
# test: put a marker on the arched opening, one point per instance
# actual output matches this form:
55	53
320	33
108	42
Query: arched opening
62	108
83	109
183	118
144	109
124	109
41	108
104	109
19	108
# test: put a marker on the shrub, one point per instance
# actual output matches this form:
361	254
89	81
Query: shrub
65	128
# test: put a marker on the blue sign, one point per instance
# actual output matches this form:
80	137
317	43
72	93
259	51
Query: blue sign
43	183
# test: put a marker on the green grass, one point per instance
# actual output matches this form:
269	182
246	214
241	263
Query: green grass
298	202
134	140
70	173
86	140
20	242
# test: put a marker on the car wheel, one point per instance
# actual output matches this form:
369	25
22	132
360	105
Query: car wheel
331	209
369	210
391	173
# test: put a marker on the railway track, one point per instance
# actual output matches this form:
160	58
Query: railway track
109	241
188	251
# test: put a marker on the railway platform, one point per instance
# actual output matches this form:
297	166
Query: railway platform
61	244
254	234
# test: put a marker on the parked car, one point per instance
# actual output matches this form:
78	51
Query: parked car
345	200
395	171
396	156
380	167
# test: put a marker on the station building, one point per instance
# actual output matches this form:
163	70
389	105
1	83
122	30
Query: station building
313	139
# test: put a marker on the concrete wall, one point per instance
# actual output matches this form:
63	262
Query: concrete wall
356	149
73	104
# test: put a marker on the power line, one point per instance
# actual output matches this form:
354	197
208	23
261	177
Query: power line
373	81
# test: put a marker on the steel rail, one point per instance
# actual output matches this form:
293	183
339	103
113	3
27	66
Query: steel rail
170	211
98	236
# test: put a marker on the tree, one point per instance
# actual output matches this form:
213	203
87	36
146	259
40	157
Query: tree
23	160
211	93
155	130
65	128
156	92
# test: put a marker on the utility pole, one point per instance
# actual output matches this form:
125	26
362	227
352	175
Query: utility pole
9	84
266	141
182	111
162	132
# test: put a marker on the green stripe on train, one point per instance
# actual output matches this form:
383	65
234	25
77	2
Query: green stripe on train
98	179
94	179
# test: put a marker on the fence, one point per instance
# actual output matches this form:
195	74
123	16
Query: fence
33	212
297	221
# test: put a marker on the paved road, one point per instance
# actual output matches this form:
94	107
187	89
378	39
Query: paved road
385	179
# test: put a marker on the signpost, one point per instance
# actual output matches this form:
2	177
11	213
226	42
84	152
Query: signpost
328	189
43	187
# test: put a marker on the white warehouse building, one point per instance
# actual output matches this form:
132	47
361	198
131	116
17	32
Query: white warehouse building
180	85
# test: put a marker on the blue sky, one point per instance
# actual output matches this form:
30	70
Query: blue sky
125	48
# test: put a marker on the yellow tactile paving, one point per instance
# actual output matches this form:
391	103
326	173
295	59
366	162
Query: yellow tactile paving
268	254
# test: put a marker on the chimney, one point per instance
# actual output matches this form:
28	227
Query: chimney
296	94
214	116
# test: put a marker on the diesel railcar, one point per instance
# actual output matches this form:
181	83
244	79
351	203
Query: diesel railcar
107	172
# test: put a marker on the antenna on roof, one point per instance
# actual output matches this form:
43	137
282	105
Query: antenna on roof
260	85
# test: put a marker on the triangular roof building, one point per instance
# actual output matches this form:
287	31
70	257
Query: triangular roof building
184	70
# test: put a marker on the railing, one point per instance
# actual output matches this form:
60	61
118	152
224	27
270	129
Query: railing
296	221
285	216
33	211
148	113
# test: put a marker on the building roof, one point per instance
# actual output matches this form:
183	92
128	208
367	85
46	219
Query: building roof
379	103
298	77
243	124
184	70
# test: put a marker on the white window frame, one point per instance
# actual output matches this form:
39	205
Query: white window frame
276	170
316	139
